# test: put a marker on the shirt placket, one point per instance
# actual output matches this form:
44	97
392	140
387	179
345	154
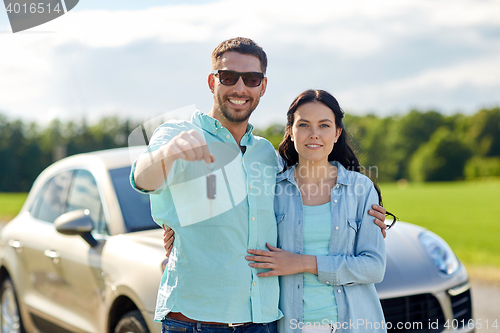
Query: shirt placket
253	229
336	220
298	246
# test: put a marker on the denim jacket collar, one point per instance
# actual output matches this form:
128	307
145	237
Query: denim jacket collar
342	174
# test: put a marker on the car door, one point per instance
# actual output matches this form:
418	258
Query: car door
36	278
79	264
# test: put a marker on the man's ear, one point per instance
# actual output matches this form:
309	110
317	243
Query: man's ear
264	86
211	82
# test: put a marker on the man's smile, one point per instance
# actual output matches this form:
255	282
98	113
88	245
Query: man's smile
237	101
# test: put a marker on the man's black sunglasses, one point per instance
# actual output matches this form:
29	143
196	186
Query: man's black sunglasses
229	78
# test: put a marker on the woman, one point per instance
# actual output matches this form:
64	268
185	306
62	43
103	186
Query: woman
329	253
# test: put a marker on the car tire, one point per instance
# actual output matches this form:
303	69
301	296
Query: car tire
10	318
132	322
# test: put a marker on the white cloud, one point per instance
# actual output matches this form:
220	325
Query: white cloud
375	54
477	73
463	13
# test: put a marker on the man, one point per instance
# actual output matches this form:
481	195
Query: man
208	281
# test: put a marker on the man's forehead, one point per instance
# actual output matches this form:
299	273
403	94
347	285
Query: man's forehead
239	62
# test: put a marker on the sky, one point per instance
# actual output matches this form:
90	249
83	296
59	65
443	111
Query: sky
143	59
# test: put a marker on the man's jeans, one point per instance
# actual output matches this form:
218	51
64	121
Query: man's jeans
177	326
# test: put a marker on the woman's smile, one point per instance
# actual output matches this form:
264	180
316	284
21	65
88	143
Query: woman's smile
313	146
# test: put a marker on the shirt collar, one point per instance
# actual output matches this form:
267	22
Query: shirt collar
247	139
212	125
343	177
206	122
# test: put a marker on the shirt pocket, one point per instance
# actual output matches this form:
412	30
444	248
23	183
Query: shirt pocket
352	231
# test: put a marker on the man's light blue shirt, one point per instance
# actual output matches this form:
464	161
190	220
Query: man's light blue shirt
207	277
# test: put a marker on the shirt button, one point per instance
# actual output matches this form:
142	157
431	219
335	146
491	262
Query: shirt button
228	136
327	282
255	283
337	186
335	200
250	188
339	291
213	132
337	228
253	218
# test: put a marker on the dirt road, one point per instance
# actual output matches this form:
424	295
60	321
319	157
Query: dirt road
486	305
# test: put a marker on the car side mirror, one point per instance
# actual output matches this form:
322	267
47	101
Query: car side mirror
77	222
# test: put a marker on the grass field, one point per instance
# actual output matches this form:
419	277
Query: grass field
10	204
465	214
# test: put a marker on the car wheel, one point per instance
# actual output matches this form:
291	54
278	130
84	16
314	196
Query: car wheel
9	315
132	322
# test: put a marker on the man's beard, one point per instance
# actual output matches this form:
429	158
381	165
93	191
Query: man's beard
236	117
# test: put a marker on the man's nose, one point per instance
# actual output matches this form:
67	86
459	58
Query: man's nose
239	86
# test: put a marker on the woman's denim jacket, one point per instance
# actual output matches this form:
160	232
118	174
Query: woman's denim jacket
356	258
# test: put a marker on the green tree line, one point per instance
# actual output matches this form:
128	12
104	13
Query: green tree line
26	148
422	146
417	146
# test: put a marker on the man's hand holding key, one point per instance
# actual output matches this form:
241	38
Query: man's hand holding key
189	145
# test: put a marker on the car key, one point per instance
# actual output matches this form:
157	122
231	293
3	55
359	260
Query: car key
211	190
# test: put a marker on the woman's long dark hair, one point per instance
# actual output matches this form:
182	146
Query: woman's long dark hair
341	152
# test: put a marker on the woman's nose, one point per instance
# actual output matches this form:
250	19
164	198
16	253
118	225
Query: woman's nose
314	134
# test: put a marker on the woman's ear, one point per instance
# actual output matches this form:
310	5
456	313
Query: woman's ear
337	136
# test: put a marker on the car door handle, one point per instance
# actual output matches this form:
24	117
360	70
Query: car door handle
16	245
54	255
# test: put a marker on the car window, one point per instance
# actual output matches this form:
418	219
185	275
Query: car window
50	202
135	207
84	194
